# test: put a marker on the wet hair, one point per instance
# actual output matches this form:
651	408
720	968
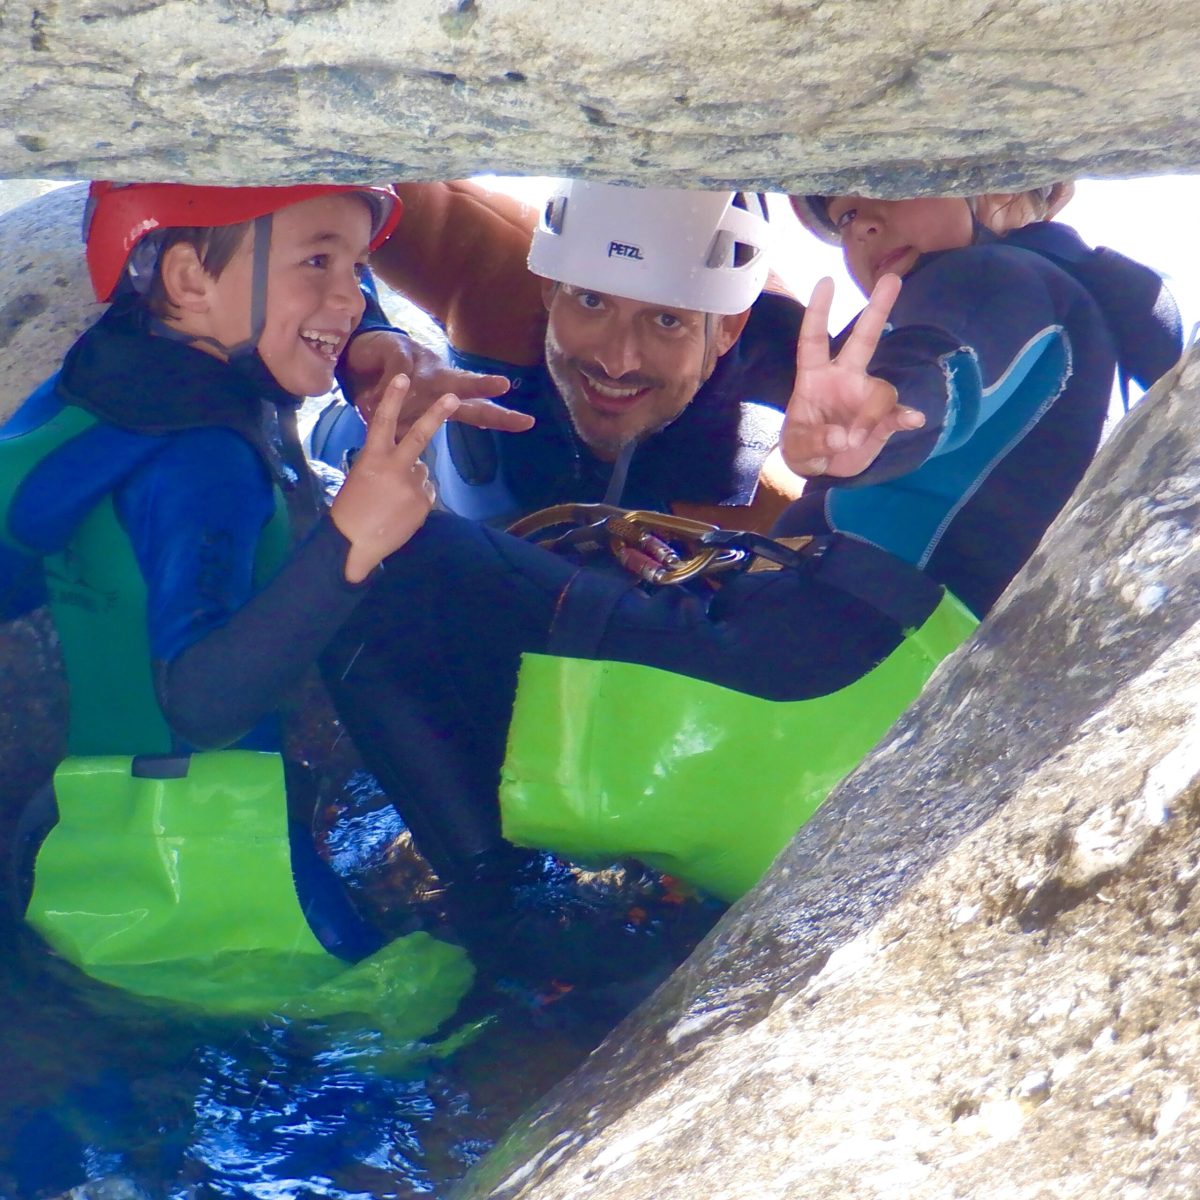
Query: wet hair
214	246
1040	203
1038	200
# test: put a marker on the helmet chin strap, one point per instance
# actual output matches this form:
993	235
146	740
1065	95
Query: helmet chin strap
620	471
979	231
247	350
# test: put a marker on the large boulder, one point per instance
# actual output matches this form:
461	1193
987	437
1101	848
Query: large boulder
974	972
822	95
45	304
47	301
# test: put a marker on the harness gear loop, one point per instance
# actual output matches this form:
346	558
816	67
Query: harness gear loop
659	548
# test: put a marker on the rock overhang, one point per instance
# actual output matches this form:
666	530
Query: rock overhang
908	98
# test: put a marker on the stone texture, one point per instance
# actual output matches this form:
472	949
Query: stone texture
46	301
973	974
902	97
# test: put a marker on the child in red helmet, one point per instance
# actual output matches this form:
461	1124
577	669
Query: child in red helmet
194	575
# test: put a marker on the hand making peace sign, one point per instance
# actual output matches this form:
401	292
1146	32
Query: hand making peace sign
839	417
388	493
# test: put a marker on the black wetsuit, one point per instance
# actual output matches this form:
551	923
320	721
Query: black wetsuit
1009	354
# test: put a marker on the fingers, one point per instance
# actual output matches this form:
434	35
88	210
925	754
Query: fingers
381	428
420	473
485	415
863	341
853	454
808	449
877	401
812	346
412	444
900	420
469	386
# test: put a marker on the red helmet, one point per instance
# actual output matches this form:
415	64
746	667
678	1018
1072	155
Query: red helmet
119	215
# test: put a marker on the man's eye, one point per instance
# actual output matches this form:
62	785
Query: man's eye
320	261
668	321
844	219
588	299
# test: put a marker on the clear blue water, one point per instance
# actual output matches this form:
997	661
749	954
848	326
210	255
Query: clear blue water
95	1085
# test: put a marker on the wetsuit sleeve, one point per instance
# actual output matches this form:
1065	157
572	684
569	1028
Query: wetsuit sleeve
460	253
373	320
373	315
226	654
219	687
966	329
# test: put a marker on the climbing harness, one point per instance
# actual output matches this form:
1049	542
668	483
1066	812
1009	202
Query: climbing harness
660	548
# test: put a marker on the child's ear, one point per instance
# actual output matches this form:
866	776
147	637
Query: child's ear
188	286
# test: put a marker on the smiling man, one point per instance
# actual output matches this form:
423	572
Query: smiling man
633	327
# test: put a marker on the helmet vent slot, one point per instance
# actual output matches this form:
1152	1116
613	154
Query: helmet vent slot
555	214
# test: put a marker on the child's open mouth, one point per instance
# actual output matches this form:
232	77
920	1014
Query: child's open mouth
326	345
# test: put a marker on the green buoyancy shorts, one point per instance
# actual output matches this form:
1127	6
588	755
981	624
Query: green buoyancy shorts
181	889
610	760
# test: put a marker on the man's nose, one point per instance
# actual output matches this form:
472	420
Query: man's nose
618	354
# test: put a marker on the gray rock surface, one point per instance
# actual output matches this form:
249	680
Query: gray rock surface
902	97
46	301
973	974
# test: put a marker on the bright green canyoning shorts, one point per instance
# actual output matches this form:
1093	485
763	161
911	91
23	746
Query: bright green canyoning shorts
180	889
612	760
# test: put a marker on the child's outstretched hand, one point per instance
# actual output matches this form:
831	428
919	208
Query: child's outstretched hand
839	417
388	493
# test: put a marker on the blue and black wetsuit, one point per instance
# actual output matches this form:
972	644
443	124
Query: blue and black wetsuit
188	449
1009	348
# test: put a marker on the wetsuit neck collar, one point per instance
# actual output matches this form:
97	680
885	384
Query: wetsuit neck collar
123	372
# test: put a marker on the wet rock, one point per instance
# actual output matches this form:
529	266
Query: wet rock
112	1187
843	96
973	973
47	301
33	709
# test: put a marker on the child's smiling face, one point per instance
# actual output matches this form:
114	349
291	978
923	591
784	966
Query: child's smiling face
313	303
882	236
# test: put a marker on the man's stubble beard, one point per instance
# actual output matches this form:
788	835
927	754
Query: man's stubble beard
563	375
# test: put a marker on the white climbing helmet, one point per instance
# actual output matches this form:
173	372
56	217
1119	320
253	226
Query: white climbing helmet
705	251
814	213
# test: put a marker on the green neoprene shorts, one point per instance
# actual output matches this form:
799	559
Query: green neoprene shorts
612	760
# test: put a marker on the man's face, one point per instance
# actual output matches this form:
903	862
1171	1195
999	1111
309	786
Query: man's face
882	236
318	250
625	368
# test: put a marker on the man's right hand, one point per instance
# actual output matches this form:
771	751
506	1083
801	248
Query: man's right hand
376	357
